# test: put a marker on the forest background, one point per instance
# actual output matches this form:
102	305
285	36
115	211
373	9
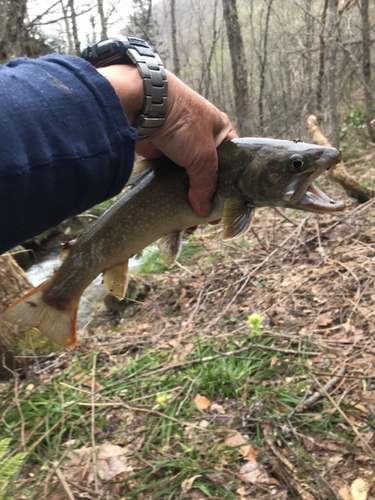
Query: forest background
268	64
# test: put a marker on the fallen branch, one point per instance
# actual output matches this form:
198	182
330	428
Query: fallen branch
327	388
339	173
211	358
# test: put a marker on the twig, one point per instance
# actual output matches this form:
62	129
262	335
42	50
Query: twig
347	420
285	216
191	316
285	351
301	404
284	461
259	240
187	394
63	481
311	464
359	309
163	415
321	249
83	488
246	279
345	267
178	264
16	397
211	358
178	394
317	395
93	444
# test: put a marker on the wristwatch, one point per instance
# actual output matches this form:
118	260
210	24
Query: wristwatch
131	50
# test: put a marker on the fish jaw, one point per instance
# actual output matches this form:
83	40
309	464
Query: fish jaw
304	195
315	200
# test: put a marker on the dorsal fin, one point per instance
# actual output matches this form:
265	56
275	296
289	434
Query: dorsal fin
140	168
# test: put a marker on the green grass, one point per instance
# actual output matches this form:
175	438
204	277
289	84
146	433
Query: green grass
56	410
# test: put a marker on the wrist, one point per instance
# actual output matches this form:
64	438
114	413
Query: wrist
128	85
129	50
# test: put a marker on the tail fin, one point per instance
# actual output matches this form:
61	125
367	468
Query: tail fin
58	323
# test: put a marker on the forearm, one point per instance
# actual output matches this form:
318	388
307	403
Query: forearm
66	144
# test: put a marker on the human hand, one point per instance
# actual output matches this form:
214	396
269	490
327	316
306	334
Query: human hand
192	131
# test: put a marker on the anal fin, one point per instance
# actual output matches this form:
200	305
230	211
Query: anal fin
116	279
170	247
237	219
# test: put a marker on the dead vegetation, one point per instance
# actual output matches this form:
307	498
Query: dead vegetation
183	398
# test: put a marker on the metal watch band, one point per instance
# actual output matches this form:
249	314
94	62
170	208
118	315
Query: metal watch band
127	50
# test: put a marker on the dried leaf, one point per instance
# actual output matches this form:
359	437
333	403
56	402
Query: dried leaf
110	463
217	408
361	407
183	351
188	483
367	397
274	360
202	402
359	489
247	451
253	473
324	319
345	493
362	458
334	460
242	492
204	424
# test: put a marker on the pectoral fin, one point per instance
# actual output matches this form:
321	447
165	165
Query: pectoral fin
170	247
237	218
116	279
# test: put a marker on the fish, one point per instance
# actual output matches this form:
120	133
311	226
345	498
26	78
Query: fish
252	172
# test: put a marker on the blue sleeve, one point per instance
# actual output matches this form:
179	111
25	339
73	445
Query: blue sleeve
65	144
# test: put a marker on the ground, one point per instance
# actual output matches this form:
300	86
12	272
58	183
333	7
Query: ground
184	397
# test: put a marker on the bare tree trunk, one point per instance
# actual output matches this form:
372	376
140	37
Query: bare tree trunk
322	56
239	68
103	20
263	68
13	284
73	17
333	25
339	173
176	59
309	76
67	28
366	61
208	75
13	34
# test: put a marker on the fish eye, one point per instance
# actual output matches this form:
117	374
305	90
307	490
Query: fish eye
296	163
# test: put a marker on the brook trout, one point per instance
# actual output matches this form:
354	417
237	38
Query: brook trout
253	172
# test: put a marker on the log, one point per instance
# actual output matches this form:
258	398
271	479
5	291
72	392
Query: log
339	173
13	284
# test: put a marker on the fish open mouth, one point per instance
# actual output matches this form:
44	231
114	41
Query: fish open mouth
315	200
304	195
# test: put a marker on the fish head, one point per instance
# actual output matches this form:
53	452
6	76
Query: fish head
282	174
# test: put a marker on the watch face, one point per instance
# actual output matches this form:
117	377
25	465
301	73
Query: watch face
107	52
115	51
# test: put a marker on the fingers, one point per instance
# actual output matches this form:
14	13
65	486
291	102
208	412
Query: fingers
202	174
192	131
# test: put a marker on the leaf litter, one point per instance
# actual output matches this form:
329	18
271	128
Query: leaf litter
166	424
